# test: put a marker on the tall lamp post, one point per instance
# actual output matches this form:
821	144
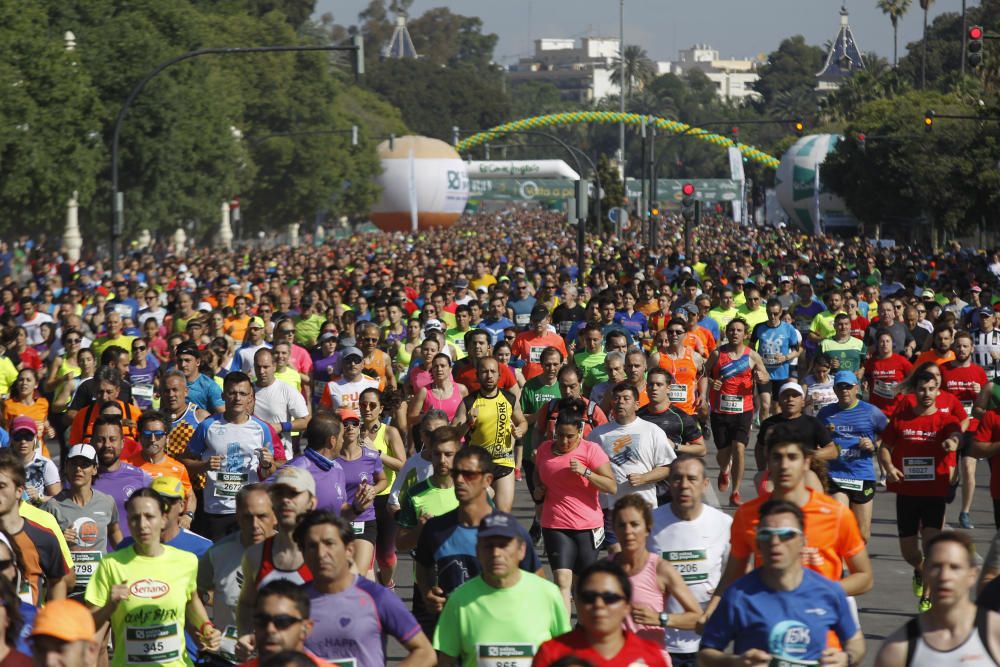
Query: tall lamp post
118	201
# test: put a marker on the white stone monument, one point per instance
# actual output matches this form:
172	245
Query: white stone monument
72	241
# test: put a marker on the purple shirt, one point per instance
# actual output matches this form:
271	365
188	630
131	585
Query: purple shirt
365	467
331	489
120	484
325	369
355	623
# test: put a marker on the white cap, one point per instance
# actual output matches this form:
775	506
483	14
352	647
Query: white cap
84	450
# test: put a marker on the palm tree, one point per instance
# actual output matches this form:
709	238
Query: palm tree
639	69
894	9
926	6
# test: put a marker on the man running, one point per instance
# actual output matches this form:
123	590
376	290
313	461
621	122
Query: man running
733	368
918	455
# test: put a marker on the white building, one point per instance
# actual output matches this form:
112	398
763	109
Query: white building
734	78
582	74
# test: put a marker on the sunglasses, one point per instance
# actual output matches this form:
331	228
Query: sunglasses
5	563
783	534
675	332
590	597
139	348
467	475
351	423
153	434
280	621
23	436
71	341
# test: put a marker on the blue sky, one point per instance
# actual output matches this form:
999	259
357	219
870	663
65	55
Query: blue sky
736	28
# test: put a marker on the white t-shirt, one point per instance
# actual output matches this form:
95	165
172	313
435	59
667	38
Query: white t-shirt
634	448
240	446
33	326
343	394
415	470
41	472
698	550
279	403
243	359
219	570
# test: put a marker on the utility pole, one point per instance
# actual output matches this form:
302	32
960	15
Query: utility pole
621	86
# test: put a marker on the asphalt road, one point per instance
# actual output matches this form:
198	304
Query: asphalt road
886	607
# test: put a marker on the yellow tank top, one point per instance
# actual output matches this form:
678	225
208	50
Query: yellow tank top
380	444
494	425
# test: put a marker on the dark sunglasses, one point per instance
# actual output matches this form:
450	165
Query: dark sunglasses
467	475
280	621
139	348
153	434
590	597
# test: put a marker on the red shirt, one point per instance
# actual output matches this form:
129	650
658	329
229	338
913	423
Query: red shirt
961	382
858	326
989	431
635	651
916	450
464	372
529	346
945	402
885	374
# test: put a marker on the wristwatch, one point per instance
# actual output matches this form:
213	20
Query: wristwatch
664	619
189	515
587	472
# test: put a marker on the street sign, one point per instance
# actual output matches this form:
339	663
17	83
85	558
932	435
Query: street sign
618	215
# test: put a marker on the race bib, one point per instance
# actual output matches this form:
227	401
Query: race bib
677	393
918	468
849	484
791	662
692	564
228	484
344	662
730	404
535	354
85	565
153	645
227	646
358	527
598	535
771	359
968	407
505	655
884	389
144	391
522	319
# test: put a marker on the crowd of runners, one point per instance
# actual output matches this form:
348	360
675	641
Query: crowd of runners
221	458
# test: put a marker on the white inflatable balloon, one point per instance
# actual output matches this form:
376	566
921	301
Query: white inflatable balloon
795	182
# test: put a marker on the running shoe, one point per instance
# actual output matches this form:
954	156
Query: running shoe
535	531
517	474
964	521
918	585
881	482
724	480
924	605
735	500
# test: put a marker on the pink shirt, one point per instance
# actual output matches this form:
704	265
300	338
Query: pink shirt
571	501
300	360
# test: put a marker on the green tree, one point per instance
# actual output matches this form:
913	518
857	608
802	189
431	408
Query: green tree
454	40
611	183
639	69
791	69
534	98
895	10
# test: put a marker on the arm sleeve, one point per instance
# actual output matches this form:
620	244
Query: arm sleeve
407	515
845	627
196	445
396	618
297	405
214	398
737	537
721	627
985	434
99	586
664	454
50	474
447	637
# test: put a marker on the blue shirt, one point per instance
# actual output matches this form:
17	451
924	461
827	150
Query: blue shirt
205	393
495	328
710	324
770	341
787	624
4	438
849	426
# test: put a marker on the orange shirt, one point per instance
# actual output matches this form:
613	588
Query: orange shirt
39	411
932	355
529	345
236	327
707	339
168	467
832	534
380	364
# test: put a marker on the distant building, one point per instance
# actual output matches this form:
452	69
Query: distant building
582	74
733	78
400	45
843	59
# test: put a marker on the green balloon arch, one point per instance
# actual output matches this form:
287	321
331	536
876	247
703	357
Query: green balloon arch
614	117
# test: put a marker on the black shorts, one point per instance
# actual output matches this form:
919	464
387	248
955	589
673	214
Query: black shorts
501	471
965	445
773	387
365	530
727	429
856	497
569	549
916	512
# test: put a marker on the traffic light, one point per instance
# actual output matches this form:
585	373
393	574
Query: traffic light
799	126
687	195
861	141
735	135
654	211
929	120
974	46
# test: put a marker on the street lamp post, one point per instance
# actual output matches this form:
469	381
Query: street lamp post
621	87
118	201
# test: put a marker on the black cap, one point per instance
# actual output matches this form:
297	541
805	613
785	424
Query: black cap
539	313
189	348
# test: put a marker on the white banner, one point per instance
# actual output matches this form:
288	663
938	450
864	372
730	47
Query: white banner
521	169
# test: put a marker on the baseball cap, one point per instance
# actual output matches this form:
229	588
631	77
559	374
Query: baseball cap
803	280
976	288
295	478
785	279
168	487
461	283
349	413
520	270
433	324
351	352
986	312
927	294
67	620
255	322
499	524
82	450
845	377
792	386
329	335
539	313
24	423
189	348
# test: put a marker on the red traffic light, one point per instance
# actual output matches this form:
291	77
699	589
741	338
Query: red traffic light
687	190
861	137
975	32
